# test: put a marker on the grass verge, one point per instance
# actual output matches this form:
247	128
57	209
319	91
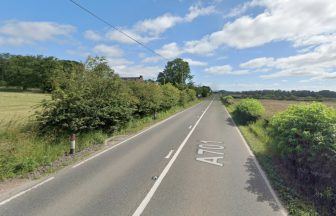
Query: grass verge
256	136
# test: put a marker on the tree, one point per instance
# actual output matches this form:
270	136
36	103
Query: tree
176	72
99	66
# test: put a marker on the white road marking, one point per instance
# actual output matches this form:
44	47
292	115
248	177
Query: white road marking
150	194
262	173
169	154
190	126
210	146
201	151
208	141
211	160
25	191
116	145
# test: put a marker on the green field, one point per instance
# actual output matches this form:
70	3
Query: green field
19	106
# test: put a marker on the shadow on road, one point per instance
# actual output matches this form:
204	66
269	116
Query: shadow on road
257	185
230	122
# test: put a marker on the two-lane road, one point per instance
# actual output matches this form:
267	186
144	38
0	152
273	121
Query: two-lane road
194	163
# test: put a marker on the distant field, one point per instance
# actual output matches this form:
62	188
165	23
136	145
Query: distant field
14	105
274	106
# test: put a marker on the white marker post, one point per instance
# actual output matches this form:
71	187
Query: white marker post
72	143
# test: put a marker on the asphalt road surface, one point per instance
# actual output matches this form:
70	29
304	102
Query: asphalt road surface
194	163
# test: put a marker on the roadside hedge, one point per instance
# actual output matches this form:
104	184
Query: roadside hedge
305	138
227	100
248	110
171	96
149	97
97	99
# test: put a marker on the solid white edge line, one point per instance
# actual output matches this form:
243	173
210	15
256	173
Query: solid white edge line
169	154
150	194
25	191
261	171
116	145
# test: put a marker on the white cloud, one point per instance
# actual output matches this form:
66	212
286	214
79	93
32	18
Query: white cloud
318	64
158	25
108	51
281	20
195	63
225	69
148	72
196	11
92	35
258	62
119	62
151	29
23	32
115	35
170	50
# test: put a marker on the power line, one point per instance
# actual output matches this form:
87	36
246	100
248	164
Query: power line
115	28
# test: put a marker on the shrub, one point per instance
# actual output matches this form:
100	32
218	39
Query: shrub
183	97
149	97
227	100
191	94
171	96
248	110
86	102
305	137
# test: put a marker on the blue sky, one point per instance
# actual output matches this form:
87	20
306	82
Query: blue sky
230	44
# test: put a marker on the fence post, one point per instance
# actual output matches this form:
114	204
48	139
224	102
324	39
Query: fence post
72	143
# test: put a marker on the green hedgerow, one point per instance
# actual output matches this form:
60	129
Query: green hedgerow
248	110
305	138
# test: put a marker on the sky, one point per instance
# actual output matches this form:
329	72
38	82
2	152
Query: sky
229	44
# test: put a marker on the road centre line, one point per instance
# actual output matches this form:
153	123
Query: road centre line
25	191
116	145
157	183
169	154
262	173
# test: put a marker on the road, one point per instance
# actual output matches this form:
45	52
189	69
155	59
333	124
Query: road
194	163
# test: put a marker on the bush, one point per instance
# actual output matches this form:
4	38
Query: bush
305	137
248	110
86	102
191	94
183	97
149	97
171	96
227	100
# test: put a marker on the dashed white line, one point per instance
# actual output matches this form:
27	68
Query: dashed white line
169	154
190	127
150	194
25	191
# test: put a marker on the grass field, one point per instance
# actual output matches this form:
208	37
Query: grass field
274	106
19	106
258	139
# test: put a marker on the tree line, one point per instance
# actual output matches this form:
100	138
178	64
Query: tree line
283	95
38	71
25	72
